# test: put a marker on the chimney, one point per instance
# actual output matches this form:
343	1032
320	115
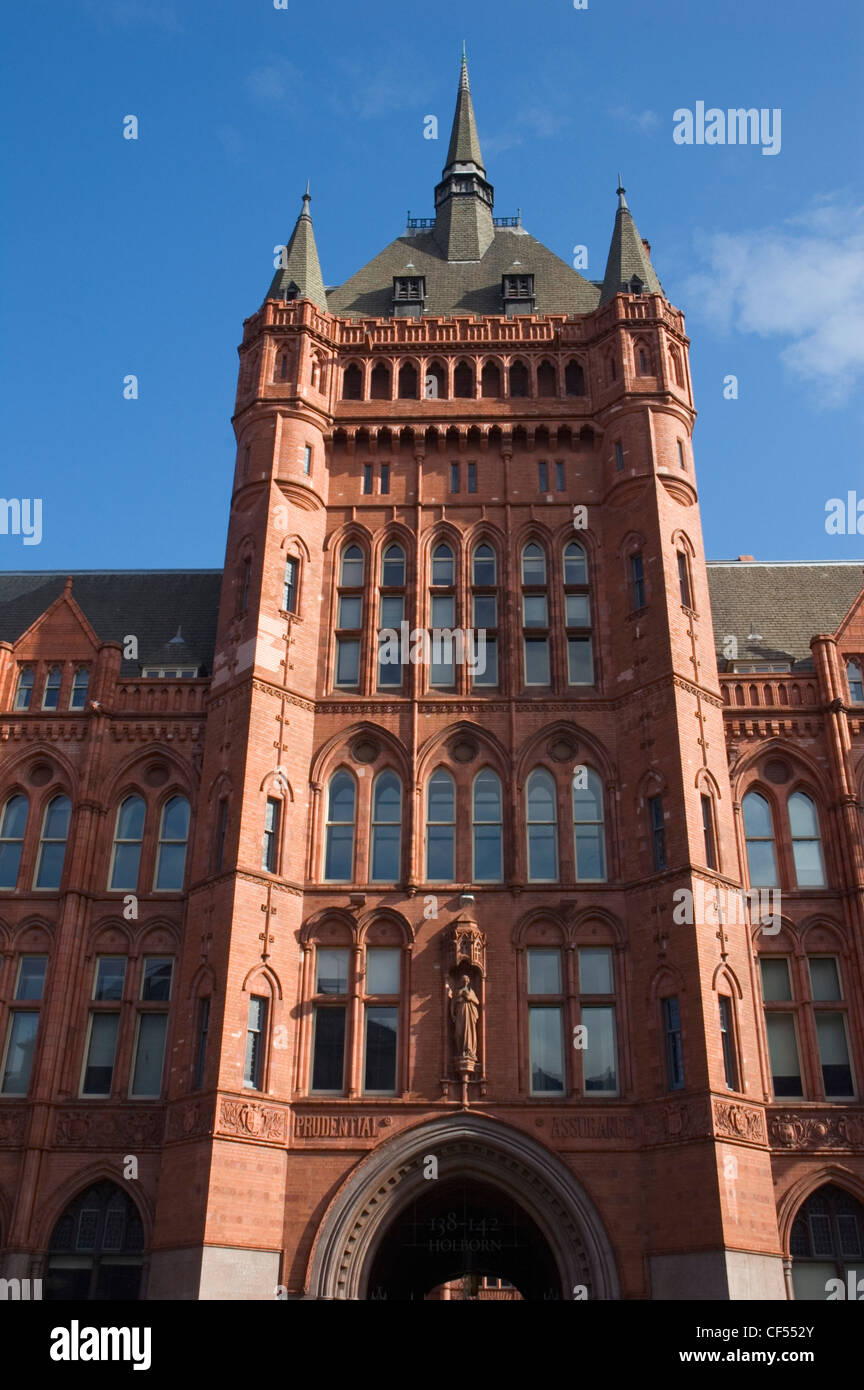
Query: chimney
745	560
647	245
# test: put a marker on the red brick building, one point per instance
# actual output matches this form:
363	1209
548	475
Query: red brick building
336	967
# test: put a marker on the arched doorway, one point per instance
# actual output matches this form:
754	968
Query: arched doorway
492	1204
827	1242
97	1248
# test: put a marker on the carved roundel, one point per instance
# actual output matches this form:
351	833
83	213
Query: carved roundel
156	774
365	750
40	773
561	750
464	750
777	770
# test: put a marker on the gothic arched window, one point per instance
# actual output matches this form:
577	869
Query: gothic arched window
128	837
341	813
386	828
759	836
806	841
97	1248
440	827
171	849
588	828
542	818
487	818
827	1243
13	823
52	843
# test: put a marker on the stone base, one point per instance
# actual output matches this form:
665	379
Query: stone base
717	1276
214	1272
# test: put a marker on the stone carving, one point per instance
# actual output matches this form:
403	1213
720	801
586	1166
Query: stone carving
465	1013
794	1129
738	1121
250	1120
467	945
81	1128
189	1120
13	1125
686	1119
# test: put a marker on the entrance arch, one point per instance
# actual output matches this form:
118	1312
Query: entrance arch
485	1166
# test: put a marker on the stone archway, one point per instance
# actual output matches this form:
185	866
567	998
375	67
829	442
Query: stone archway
466	1147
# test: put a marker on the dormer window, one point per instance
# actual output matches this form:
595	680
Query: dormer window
517	293
291	292
409	296
636	286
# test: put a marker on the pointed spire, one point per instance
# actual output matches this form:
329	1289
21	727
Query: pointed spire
464	198
464	141
300	277
628	256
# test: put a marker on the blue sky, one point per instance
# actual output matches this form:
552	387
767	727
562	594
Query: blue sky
145	256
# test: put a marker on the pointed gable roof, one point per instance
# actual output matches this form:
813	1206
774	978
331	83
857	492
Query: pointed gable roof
300	277
464	140
627	256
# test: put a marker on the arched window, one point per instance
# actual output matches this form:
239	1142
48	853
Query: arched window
80	684
52	843
386	828
380	382
435	383
352	383
542	818
351	574
128	835
283	365
442	567
463	381
547	380
535	616
51	693
393	567
440	827
13	823
827	1243
24	688
577	606
684	584
806	842
518	379
490	380
856	682
341	811
588	829
759	835
574	379
677	374
484	613
171	849
487	816
97	1248
408	382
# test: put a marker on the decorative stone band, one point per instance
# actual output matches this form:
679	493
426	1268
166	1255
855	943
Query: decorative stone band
817	1130
735	1121
13	1126
80	1127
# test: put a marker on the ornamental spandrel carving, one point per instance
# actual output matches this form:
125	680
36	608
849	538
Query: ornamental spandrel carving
189	1120
827	1129
109	1129
675	1120
13	1125
249	1120
737	1121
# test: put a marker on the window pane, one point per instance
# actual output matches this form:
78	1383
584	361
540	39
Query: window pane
580	659
484	565
536	661
443	611
808	864
775	980
783	1051
331	970
352	568
442	565
382	969
487	797
575	565
392	611
578	610
156	985
441	797
14	818
488	867
760	863
175	819
130	819
328	1061
100	1054
31	977
834	1054
149	1055
23	1027
50	871
546	1051
542	856
439	853
381	1029
350	611
110	977
485	610
534	610
802	816
824	978
172	863
590	852
489	675
340	852
757	816
347	661
533	565
600	1066
595	970
393	567
385	853
341	803
544	971
124	869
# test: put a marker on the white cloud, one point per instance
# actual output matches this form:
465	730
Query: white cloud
644	121
273	83
802	282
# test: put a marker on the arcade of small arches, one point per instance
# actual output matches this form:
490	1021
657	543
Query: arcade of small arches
461	378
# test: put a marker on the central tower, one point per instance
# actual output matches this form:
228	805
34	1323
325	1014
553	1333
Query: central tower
434	903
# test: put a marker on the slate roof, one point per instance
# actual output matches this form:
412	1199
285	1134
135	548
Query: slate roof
151	604
786	605
301	274
627	257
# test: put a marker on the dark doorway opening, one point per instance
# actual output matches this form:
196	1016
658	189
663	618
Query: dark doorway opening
463	1228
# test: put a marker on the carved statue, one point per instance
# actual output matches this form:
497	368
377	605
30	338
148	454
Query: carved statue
465	1013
